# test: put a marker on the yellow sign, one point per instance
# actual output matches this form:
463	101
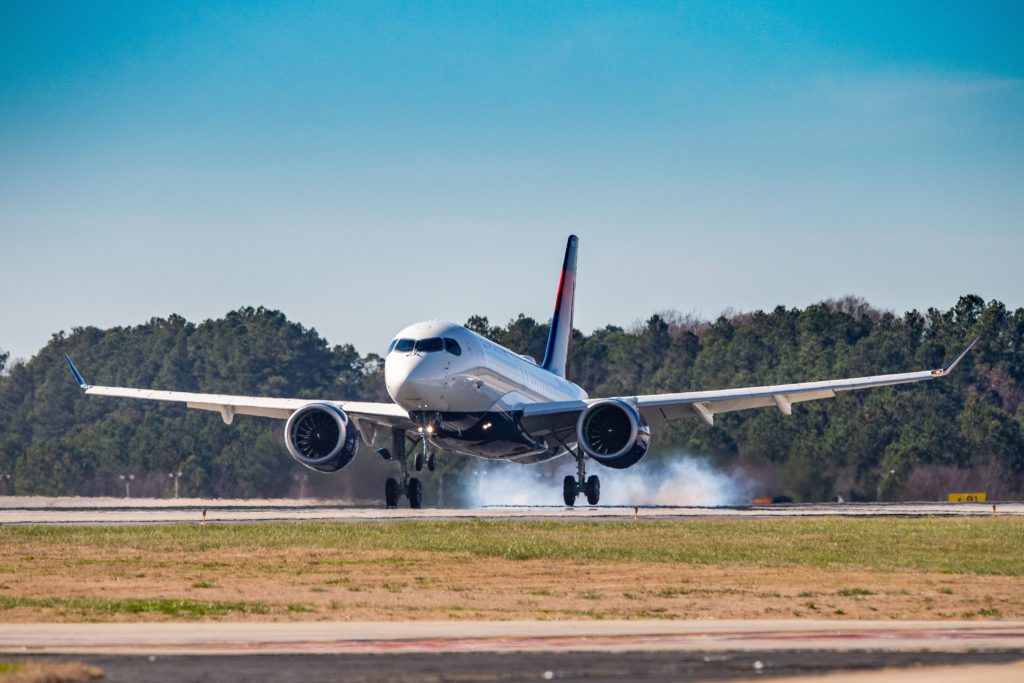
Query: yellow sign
967	498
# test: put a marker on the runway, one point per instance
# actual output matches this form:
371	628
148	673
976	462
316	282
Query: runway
513	636
102	511
654	650
568	667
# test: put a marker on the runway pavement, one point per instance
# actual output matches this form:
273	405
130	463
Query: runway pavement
565	667
513	636
656	650
34	510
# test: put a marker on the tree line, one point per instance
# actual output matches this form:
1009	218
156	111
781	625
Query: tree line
916	441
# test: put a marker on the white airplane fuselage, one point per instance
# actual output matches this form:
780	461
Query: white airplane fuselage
467	392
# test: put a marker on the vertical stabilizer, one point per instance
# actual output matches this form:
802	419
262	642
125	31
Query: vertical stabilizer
556	356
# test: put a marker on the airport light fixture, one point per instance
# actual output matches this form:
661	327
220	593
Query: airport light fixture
127	479
175	476
5	477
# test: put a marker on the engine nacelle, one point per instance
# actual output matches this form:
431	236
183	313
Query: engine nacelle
321	437
613	433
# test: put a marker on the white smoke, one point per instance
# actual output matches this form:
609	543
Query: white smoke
672	480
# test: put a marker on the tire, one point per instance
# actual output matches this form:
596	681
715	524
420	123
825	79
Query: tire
391	493
569	490
431	462
418	462
593	489
414	491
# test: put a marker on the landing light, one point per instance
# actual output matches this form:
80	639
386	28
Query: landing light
486	426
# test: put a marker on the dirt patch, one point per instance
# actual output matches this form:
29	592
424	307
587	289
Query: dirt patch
42	582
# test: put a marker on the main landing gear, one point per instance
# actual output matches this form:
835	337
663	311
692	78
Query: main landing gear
581	483
407	486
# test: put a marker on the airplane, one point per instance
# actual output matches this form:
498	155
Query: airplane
454	389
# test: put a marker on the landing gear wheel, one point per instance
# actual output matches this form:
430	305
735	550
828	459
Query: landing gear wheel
569	490
431	462
415	493
391	493
593	489
418	462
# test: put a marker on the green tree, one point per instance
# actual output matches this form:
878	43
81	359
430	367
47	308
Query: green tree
862	445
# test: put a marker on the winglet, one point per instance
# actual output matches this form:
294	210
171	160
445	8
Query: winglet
949	368
75	372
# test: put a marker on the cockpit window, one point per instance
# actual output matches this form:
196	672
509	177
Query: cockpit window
429	345
391	346
452	346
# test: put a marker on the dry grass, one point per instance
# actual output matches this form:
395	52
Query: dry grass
515	570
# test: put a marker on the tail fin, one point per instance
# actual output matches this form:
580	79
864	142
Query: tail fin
556	356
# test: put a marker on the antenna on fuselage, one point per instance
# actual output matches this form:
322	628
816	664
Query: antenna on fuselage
556	355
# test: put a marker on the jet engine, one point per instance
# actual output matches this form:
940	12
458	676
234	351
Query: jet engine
321	436
613	433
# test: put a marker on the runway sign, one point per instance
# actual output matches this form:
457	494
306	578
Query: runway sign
967	498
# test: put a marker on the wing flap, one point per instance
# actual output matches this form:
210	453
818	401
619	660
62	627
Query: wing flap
228	411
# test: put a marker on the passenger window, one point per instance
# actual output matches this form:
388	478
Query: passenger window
404	345
429	345
452	347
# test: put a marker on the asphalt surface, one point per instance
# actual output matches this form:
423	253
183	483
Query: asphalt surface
565	667
29	510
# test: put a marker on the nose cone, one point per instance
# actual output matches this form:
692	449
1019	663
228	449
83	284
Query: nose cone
417	381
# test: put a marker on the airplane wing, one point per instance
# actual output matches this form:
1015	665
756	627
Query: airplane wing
382	414
657	409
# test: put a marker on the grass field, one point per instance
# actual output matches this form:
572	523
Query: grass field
486	569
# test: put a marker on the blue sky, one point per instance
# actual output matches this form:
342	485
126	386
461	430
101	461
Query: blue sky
363	166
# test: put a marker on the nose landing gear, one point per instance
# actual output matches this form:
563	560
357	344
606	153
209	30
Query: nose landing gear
408	486
426	456
572	486
427	424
